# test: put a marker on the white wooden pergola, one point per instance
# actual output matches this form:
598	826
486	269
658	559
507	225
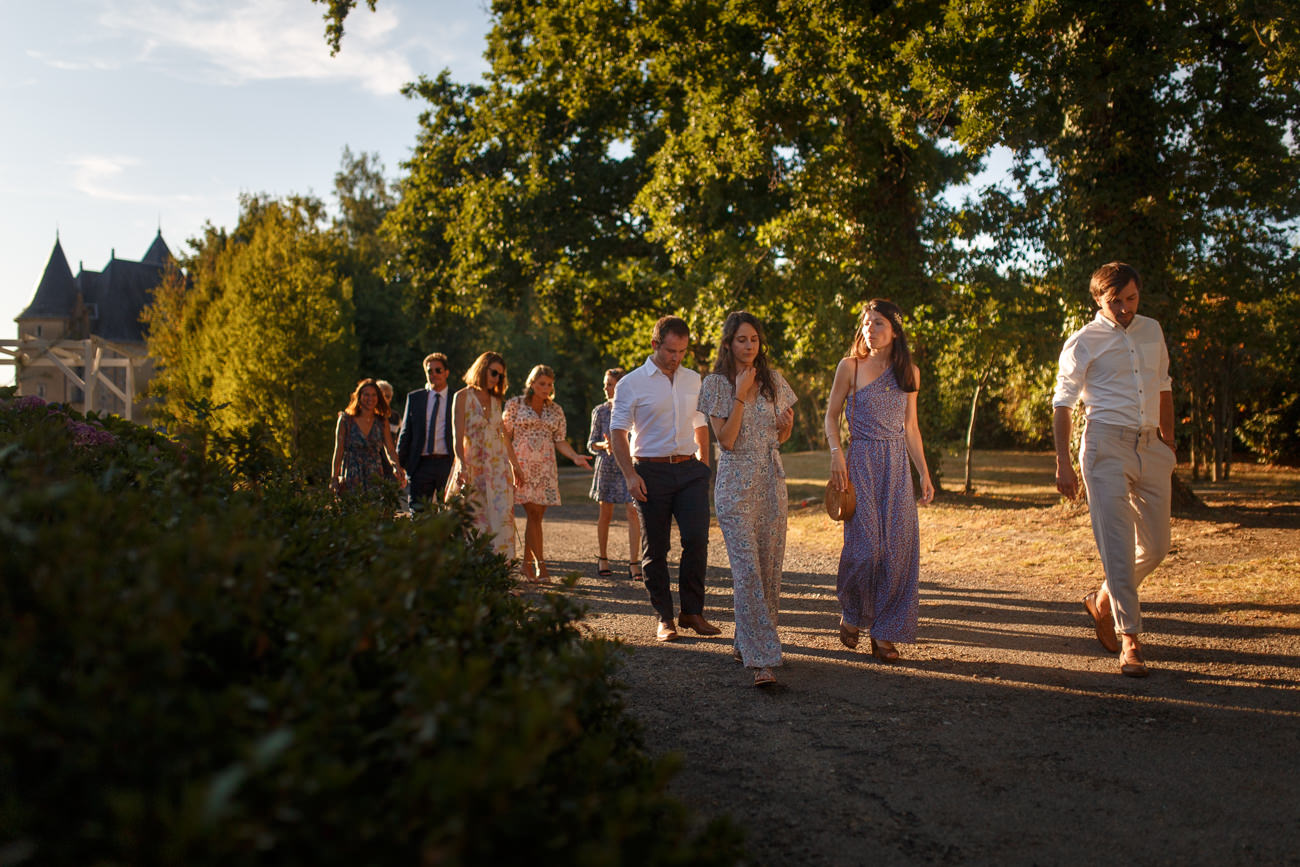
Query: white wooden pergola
94	356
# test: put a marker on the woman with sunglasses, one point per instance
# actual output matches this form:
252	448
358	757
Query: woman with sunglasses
485	469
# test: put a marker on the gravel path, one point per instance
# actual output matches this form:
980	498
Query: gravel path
1004	736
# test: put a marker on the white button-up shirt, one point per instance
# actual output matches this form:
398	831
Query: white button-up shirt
435	427
659	412
1119	373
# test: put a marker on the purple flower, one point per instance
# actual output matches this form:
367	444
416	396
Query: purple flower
28	401
89	435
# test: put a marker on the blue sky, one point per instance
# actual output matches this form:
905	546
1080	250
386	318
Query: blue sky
121	116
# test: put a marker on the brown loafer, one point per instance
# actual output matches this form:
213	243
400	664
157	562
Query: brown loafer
666	632
1105	626
699	624
1131	664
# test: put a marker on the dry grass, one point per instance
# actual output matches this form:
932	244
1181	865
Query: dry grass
1239	554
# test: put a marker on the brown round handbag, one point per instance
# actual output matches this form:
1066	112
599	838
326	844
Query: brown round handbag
840	505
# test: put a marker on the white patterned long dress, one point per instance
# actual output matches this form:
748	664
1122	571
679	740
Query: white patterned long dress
750	500
487	473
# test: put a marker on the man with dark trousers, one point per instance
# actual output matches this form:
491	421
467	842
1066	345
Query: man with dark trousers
665	463
424	442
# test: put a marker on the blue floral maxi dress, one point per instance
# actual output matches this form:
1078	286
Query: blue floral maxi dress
607	485
881	560
364	460
750	500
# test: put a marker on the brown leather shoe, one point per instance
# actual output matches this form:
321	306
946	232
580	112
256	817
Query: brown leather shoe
1131	663
666	632
1105	626
699	624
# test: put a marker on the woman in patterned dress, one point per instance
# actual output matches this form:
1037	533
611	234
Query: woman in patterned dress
363	446
880	563
485	467
750	408
608	486
535	424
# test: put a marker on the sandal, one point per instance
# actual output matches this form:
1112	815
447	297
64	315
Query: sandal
848	635
884	654
764	677
606	572
634	570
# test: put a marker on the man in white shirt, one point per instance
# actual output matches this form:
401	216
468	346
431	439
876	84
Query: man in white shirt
668	476
1118	365
424	442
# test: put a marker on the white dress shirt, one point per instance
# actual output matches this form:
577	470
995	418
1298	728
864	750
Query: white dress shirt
1118	372
659	411
435	429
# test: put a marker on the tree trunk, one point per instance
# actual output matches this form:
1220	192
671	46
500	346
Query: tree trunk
970	431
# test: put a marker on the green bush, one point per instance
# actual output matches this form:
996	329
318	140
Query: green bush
197	670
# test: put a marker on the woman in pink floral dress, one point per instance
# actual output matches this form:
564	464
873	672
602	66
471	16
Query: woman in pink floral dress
485	469
535	424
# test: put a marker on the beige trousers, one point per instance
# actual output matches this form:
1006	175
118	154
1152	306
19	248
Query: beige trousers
1127	473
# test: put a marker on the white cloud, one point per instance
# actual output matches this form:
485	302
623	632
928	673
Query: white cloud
253	40
94	175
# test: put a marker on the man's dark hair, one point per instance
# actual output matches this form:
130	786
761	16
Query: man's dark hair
1111	278
670	325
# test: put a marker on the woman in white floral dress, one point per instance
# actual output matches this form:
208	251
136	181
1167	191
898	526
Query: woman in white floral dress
485	466
751	409
535	424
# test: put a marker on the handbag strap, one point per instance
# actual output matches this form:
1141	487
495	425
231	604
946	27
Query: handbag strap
848	403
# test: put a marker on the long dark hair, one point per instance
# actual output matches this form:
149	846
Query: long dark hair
900	357
381	405
726	362
477	375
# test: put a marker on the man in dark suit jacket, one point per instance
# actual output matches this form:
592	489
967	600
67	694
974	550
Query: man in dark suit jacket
424	444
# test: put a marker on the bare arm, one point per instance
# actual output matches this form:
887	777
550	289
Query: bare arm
390	450
1066	481
834	408
622	450
458	434
516	471
1167	418
563	447
336	462
912	437
702	444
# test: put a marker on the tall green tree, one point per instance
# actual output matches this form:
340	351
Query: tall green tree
264	332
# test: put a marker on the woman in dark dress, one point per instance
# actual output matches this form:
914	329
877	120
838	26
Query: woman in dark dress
876	385
363	444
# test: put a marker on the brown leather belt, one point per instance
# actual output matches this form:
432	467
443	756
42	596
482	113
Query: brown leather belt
671	459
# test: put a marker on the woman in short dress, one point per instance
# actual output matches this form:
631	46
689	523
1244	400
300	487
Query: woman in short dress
750	408
608	486
535	424
880	563
363	446
485	467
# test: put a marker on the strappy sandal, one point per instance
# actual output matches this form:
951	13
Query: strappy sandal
606	572
764	677
884	654
848	635
634	570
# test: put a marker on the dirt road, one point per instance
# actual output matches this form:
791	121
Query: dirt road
1004	736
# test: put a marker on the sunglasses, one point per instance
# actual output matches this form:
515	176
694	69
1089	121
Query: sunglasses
437	370
495	374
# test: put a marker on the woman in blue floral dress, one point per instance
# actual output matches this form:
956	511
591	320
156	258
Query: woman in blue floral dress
363	446
608	486
750	408
876	384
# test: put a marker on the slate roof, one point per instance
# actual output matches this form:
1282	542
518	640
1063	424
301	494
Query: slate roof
57	293
119	293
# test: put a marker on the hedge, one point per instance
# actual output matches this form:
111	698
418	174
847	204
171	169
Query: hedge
198	666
